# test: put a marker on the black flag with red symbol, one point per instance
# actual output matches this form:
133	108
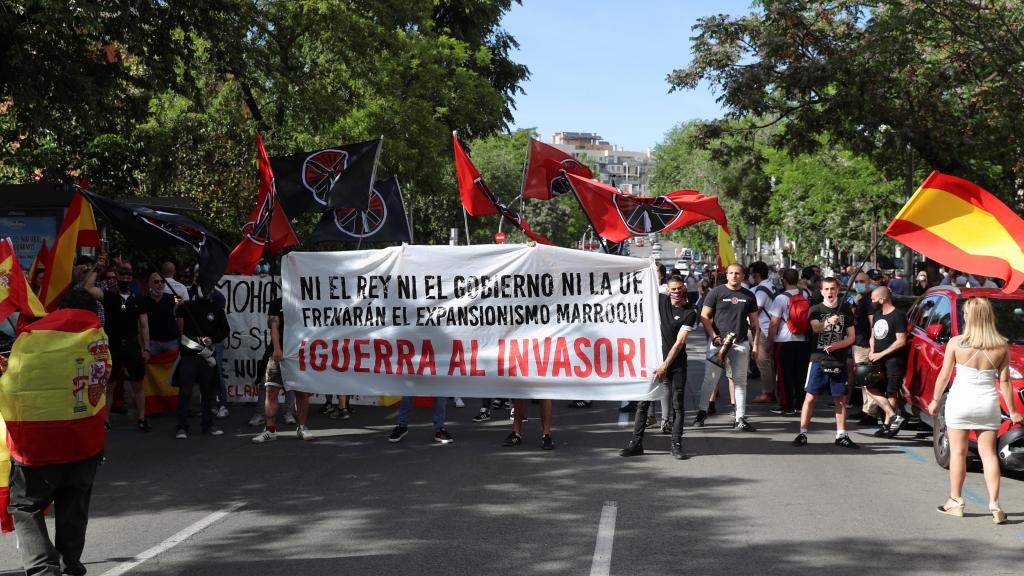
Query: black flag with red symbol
384	220
338	177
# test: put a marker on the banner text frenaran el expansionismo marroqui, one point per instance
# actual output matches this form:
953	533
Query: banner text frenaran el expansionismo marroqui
506	321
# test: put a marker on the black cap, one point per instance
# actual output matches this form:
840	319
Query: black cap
875	274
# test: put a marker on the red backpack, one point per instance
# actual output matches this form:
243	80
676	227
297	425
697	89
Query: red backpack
798	320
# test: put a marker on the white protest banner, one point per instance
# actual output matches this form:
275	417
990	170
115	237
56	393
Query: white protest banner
247	298
508	321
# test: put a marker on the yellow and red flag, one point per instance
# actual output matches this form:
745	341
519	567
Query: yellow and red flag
726	256
6	521
40	262
963	226
15	293
52	396
78	230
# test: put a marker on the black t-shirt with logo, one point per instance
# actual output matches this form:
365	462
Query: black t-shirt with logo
121	316
672	319
862	328
831	334
731	310
203	317
886	327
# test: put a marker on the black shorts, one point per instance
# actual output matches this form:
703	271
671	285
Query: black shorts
895	370
127	354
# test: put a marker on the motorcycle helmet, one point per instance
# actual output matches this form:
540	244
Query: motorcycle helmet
1011	449
869	375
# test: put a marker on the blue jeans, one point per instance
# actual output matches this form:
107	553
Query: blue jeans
440	404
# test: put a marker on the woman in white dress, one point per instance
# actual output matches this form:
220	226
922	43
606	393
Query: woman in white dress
982	357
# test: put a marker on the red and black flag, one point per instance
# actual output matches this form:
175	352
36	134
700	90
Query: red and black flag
268	225
384	220
339	177
542	176
616	216
477	198
149	229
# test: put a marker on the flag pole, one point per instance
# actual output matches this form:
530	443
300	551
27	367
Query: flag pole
465	219
867	258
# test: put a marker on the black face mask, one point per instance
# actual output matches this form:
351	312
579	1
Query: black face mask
124	285
876	307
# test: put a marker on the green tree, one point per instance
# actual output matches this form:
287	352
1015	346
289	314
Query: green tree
940	76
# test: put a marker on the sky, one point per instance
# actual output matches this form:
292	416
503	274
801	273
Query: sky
600	66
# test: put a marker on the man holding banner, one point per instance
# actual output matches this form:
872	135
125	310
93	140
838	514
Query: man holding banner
275	383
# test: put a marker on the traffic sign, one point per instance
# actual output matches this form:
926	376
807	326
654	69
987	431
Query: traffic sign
499	237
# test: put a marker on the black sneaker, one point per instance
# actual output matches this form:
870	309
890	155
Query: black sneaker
896	425
677	451
482	416
846	442
882	431
546	443
790	413
666	427
398	433
443	437
580	404
144	426
800	440
326	408
699	420
711	408
512	439
742	424
634	448
776	410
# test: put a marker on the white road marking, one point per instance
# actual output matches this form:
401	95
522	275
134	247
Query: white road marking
602	563
173	541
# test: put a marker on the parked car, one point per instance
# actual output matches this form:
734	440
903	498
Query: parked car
932	321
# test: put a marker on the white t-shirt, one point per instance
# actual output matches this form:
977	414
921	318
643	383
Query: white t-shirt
780	309
764	300
179	289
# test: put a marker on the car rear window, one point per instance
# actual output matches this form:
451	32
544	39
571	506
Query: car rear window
1009	317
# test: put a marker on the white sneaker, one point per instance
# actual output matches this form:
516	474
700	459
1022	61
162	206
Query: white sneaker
181	434
222	412
289	419
265	436
214	431
459	403
304	434
257	420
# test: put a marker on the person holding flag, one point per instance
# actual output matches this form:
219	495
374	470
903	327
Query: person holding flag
52	402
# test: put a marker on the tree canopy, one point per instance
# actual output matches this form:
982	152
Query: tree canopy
158	98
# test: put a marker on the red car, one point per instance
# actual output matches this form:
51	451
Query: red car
932	320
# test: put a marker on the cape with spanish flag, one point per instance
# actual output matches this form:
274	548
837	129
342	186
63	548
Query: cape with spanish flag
52	395
963	226
15	293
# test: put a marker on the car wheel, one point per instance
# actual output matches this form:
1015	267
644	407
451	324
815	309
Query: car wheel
940	435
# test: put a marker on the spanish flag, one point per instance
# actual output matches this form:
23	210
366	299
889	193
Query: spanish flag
6	522
15	293
960	225
78	229
726	256
52	396
40	262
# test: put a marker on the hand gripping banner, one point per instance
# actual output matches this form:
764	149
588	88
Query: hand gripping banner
508	321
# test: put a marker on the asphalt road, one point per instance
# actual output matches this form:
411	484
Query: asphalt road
351	503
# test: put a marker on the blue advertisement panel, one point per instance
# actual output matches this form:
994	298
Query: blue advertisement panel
27	234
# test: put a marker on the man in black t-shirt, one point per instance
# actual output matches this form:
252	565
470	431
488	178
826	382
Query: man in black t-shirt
832	325
204	323
127	327
678	318
888	337
729	309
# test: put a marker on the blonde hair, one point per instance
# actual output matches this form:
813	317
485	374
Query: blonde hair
980	325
